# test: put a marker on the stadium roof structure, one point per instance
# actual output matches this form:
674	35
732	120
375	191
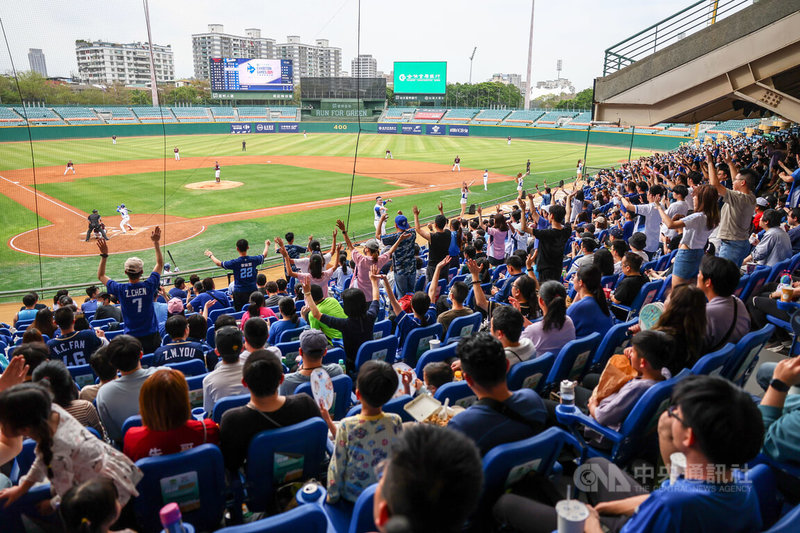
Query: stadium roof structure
744	65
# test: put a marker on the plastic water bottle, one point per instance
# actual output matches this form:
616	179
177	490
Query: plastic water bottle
343	366
171	518
567	393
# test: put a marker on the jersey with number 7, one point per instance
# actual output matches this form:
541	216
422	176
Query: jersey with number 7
136	301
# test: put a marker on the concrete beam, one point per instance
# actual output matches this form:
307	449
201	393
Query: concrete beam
767	97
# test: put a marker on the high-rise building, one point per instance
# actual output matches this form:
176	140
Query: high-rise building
36	60
509	79
319	60
364	66
128	63
216	43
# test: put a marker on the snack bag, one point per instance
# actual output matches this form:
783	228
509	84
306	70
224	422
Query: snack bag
617	373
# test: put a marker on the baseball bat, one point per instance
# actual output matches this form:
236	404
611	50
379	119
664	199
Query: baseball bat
174	265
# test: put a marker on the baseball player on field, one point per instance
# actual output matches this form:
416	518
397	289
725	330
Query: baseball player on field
126	217
528	168
520	182
96	226
379	209
177	154
456	164
70	166
464	193
485	179
216	171
113	139
388	155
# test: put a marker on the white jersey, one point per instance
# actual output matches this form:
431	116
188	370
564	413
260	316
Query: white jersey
123	211
379	211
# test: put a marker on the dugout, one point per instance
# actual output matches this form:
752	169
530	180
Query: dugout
337	99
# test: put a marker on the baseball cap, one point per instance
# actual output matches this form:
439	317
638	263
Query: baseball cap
228	340
174	306
313	342
373	245
762	202
401	222
616	232
94	211
134	265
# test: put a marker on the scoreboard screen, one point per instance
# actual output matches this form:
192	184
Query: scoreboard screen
241	74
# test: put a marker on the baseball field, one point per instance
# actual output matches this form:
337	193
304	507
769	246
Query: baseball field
282	182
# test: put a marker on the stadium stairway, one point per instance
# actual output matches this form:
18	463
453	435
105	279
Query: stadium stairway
749	60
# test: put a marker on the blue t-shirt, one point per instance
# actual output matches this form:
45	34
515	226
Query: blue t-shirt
294	250
89	307
408	322
279	326
403	260
136	301
690	505
175	292
488	428
177	352
627	229
199	301
505	289
244	272
589	318
75	348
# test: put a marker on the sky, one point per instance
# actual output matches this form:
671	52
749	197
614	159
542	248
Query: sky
576	31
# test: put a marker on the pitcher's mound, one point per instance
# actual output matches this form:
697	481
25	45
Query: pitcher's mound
213	185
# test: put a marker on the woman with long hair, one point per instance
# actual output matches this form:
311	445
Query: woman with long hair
697	227
67	454
589	311
556	329
167	423
603	260
496	250
523	297
55	376
257	308
317	273
44	322
289	320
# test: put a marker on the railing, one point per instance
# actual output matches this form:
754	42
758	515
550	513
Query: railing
669	31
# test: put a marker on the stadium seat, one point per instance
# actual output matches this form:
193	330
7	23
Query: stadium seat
646	295
363	519
395	405
82	374
381	329
226	403
289	350
291	335
531	374
342	394
277	456
196	475
333	356
788	523
713	363
215	313
195	384
745	356
463	326
383	349
615	338
133	421
637	432
305	519
195	367
432	356
572	361
418	341
757	280
25	458
11	516
147	360
458	392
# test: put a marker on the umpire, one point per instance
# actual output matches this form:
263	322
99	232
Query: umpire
95	225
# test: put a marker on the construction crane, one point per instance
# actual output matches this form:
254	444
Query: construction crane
470	64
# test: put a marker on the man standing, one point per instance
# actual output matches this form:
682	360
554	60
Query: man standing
528	168
736	216
379	212
652	217
70	166
552	240
456	164
95	224
485	179
216	171
244	271
114	139
126	217
404	262
177	154
244	146
136	297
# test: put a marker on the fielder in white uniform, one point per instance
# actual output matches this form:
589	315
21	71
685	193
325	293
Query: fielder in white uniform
456	164
126	217
520	182
379	209
216	171
177	154
485	179
70	166
464	193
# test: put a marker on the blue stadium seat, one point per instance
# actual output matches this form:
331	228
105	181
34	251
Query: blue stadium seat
462	327
531	374
226	403
713	363
745	355
334	355
216	312
572	361
383	349
458	392
133	421
381	329
82	374
278	456
195	384
418	341
11	516
291	335
646	295
432	356
201	467
616	337
195	367
363	519
394	405
305	519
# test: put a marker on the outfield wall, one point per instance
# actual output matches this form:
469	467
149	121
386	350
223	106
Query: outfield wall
604	138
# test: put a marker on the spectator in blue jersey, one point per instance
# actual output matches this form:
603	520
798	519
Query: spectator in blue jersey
209	293
793	219
502	290
423	307
589	310
179	290
717	427
403	260
73	347
294	250
179	349
28	312
90	305
244	270
136	297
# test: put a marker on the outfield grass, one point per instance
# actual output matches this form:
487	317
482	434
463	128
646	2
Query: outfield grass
551	161
264	186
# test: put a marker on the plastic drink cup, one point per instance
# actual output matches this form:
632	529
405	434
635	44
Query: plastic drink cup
786	293
572	514
677	466
568	392
435	343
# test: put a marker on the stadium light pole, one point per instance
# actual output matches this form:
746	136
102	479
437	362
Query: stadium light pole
153	86
470	63
530	59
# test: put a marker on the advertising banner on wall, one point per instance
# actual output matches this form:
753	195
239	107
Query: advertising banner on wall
435	129
387	128
292	127
240	127
411	129
459	131
264	127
